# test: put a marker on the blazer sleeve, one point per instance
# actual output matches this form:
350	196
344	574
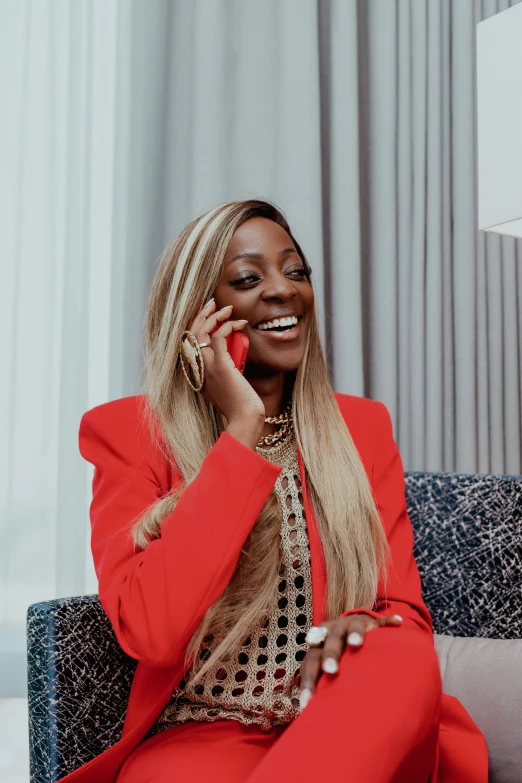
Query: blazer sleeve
156	597
402	594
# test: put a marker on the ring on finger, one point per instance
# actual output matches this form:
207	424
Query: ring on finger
354	639
316	635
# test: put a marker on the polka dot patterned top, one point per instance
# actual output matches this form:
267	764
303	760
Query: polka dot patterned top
259	682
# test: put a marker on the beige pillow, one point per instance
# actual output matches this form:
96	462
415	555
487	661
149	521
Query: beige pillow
485	675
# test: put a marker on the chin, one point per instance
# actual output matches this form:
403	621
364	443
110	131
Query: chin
274	364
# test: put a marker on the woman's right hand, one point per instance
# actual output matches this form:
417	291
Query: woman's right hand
224	385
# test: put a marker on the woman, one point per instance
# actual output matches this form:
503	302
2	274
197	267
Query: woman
252	544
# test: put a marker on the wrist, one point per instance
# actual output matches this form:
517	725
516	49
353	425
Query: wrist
246	431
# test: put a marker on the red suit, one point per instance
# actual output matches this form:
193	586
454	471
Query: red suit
381	718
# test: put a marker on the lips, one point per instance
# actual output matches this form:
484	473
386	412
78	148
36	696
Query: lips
282	337
277	318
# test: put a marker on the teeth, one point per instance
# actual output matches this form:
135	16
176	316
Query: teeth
290	321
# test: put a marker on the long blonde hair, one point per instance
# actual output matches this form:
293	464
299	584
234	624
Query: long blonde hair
186	426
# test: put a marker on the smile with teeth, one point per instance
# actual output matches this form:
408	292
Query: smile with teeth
278	323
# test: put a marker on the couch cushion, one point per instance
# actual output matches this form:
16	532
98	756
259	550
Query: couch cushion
485	675
468	547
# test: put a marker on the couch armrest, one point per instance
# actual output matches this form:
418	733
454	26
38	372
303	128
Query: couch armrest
485	675
79	683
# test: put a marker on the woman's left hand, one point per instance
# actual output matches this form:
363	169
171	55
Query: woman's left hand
344	631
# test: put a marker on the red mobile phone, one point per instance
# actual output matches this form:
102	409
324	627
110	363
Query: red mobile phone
237	346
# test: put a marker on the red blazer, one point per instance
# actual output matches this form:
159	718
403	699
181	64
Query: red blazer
155	607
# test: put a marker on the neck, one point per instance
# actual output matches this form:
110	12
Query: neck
275	391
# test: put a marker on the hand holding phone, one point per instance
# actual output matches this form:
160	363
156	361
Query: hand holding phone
226	389
237	346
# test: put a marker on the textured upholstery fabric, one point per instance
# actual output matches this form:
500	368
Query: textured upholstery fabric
468	543
468	547
79	682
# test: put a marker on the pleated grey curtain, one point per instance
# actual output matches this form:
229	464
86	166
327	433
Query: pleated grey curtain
123	120
358	118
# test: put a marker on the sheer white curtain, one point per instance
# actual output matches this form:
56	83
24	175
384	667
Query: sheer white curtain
78	211
123	120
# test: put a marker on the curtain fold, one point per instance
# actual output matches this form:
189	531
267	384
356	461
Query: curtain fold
79	223
123	120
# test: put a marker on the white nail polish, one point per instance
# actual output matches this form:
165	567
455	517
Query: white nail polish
209	301
398	617
330	666
304	698
354	639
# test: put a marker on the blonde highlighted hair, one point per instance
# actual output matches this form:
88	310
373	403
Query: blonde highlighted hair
186	426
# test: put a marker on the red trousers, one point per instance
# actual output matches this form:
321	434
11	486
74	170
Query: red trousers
375	721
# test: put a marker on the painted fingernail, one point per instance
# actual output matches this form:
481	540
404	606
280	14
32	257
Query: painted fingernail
227	307
355	639
397	617
330	666
209	301
304	698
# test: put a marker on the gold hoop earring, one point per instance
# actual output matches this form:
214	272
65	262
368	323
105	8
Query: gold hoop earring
196	351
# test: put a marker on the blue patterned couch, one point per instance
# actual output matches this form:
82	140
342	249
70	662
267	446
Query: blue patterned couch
468	545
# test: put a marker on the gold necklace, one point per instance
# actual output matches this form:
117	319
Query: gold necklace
287	425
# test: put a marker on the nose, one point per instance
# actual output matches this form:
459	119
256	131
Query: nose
278	286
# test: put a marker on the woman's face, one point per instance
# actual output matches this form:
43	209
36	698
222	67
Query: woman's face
270	283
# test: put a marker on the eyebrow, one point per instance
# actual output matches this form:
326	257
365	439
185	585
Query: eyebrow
260	255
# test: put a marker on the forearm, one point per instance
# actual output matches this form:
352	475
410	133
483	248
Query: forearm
247	431
156	597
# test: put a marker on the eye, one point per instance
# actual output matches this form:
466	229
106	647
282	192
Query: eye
301	272
245	279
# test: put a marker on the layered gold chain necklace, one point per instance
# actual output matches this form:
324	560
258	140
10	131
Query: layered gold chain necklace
286	421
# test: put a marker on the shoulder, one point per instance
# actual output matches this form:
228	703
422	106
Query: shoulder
123	418
125	409
118	428
366	419
370	425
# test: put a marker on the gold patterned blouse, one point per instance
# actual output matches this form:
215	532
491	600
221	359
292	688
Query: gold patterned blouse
259	682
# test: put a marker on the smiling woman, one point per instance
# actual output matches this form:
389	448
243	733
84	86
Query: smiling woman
266	278
262	589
